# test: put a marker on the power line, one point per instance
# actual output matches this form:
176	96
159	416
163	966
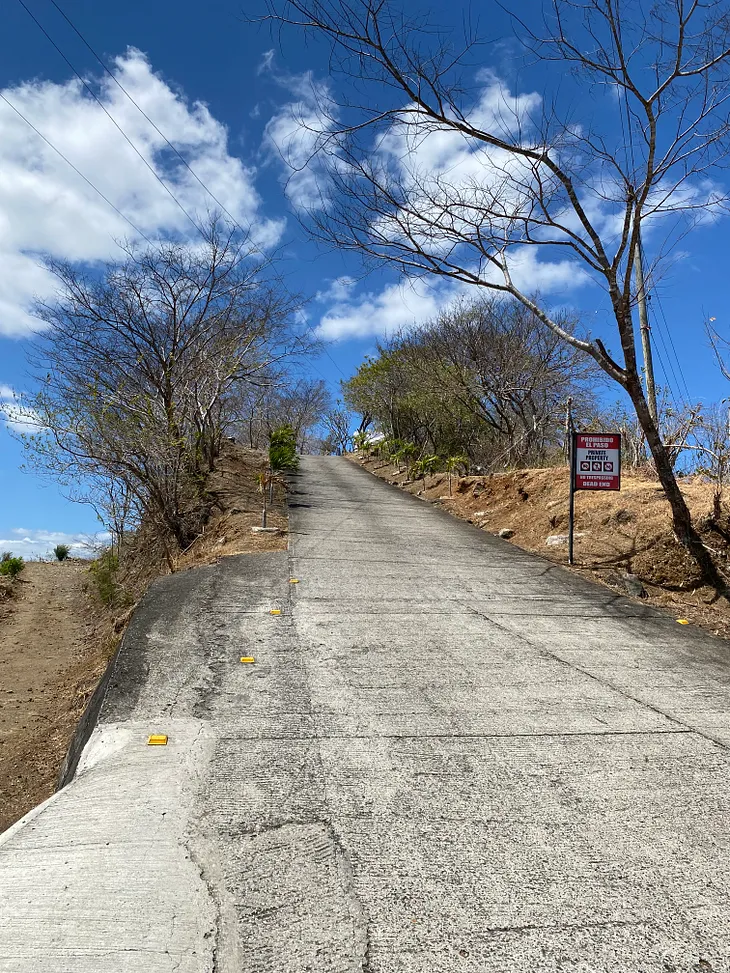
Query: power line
112	119
676	389
77	171
151	122
674	350
141	110
162	135
628	135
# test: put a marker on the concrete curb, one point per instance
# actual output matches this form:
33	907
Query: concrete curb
87	723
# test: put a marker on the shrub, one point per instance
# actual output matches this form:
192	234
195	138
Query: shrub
11	566
404	453
61	551
283	450
423	467
103	572
361	442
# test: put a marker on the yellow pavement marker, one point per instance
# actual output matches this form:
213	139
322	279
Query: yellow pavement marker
682	621
247	658
275	611
157	740
293	580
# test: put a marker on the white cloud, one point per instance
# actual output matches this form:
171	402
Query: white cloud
397	306
265	64
409	302
33	544
338	290
296	135
45	207
17	416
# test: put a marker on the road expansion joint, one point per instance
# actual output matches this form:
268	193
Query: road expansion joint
606	684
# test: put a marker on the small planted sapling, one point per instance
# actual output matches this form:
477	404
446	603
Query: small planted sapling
424	466
454	464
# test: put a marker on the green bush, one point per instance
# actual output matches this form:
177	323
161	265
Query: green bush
103	572
283	450
423	467
61	551
361	442
11	566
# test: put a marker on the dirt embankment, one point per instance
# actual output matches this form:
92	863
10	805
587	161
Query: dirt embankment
628	532
49	665
57	638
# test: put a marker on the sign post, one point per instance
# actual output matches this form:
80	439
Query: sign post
595	464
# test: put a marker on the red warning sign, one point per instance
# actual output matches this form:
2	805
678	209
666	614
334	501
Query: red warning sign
597	462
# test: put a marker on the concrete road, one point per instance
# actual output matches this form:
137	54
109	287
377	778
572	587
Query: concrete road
449	755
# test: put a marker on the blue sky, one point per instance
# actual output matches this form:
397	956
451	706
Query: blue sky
222	89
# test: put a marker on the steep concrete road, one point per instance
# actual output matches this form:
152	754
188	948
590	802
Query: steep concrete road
449	756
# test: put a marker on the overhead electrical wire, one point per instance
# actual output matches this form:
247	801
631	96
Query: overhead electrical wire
141	110
159	131
75	169
103	107
162	135
676	391
674	350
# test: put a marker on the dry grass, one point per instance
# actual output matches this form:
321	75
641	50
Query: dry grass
625	532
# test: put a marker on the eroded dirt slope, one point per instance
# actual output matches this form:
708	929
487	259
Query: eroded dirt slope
49	665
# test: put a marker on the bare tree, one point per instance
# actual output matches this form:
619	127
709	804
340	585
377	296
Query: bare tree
338	423
283	400
532	178
138	368
712	443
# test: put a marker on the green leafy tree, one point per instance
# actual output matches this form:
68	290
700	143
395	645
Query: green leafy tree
423	467
283	450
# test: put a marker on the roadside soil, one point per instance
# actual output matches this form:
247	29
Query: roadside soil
627	532
50	663
56	638
237	510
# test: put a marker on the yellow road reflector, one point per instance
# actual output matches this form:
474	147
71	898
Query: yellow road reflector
247	658
293	580
157	740
682	621
275	611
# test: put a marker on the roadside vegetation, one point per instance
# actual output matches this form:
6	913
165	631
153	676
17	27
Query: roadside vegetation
483	389
444	174
145	371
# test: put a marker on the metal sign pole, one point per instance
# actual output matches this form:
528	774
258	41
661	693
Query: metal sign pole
571	506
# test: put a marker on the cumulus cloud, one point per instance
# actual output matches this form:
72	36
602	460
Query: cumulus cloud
34	544
338	290
405	303
396	306
45	207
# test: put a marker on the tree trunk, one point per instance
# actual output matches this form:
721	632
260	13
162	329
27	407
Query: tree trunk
684	529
